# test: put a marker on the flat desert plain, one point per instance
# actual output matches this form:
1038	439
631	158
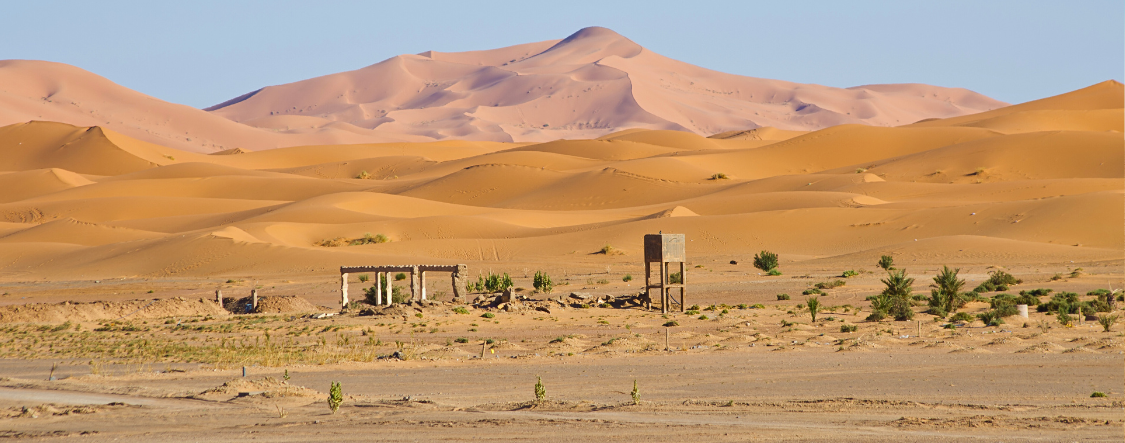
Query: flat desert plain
112	250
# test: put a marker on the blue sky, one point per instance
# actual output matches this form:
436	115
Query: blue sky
204	52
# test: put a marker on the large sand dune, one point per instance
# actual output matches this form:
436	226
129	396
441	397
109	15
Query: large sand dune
589	84
1021	184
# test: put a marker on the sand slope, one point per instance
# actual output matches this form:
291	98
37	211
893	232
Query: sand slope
592	83
39	90
1035	182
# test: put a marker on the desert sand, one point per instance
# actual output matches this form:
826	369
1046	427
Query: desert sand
112	245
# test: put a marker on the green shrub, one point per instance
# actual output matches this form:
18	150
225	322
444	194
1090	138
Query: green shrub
814	307
691	312
1087	309
1037	292
784	296
495	282
947	290
849	273
719	176
398	294
1058	301
1025	299
460	310
876	316
369	239
830	284
848	328
461	340
1097	394
363	278
774	272
400	276
542	282
675	278
335	397
810	291
540	391
998	280
627	278
488	315
765	260
887	262
990	318
1005	310
937	311
1098	305
1063	318
1099	292
758	306
898	284
962	317
1107	321
670	324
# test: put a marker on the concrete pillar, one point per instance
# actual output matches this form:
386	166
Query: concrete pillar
415	290
683	289
343	290
378	289
1022	309
458	280
219	297
422	283
387	290
254	299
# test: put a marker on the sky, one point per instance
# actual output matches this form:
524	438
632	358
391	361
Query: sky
203	52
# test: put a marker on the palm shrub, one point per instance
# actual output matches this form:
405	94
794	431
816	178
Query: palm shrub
887	262
814	307
946	290
880	305
765	260
898	290
542	282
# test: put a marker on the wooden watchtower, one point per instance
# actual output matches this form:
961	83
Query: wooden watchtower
665	249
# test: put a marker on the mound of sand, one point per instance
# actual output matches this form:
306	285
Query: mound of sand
284	304
267	387
105	310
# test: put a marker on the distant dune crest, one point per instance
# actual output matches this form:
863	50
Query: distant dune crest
590	84
593	83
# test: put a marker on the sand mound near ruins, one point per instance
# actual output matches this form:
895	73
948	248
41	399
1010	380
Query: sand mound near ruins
104	310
